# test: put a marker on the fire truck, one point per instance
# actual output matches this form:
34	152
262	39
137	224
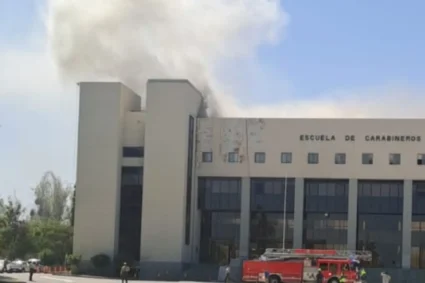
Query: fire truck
301	265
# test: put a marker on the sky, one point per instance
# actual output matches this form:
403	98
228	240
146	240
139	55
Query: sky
352	58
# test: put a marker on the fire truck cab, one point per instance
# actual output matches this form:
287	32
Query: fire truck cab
302	265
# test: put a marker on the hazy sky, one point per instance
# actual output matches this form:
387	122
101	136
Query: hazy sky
336	58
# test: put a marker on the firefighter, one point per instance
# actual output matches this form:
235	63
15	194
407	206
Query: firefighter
363	275
125	269
342	278
319	276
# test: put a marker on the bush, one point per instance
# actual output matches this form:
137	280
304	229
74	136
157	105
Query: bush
100	261
72	259
47	257
74	270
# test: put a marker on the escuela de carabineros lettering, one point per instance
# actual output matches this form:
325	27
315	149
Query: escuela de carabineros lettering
368	138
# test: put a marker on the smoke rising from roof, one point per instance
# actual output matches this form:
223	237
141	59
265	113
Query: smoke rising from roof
135	40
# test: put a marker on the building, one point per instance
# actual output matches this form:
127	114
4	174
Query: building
165	187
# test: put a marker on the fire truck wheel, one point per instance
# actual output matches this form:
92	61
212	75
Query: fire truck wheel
274	279
333	280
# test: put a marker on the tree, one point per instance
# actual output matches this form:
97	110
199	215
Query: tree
51	197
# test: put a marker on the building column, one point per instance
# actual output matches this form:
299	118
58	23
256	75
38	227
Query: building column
352	214
298	213
245	217
406	248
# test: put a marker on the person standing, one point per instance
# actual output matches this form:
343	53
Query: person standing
32	269
386	278
125	270
319	276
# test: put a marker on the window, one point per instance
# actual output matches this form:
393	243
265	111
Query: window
313	158
268	194
190	147
233	157
395	159
367	158
421	159
260	157
131	176
207	157
286	157
323	266
339	158
133	151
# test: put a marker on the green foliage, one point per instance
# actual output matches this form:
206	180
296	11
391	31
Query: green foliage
74	270
44	234
72	259
100	261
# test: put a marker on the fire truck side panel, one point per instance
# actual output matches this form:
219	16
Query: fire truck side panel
287	271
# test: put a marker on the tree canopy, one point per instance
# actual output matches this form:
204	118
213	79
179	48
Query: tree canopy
45	232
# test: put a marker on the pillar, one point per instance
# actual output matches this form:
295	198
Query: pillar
352	214
407	224
245	217
298	213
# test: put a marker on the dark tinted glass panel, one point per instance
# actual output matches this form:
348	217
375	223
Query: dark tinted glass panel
266	231
219	236
131	176
133	151
418	242
217	194
382	235
269	194
189	179
130	213
380	197
418	205
327	196
325	231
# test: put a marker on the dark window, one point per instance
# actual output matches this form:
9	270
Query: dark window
394	159
325	214
420	159
233	157
219	237
133	151
266	231
325	231
339	158
313	158
382	235
189	178
269	194
286	157
130	212
207	157
131	176
260	157
326	196
418	225
218	194
367	158
380	197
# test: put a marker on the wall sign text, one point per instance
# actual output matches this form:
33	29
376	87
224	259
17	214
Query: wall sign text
367	138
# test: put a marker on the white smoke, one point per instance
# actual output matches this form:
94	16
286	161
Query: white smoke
135	40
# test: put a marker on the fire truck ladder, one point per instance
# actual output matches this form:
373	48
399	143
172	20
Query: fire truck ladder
343	254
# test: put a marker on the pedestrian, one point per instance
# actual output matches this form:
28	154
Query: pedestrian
32	269
319	276
386	278
125	270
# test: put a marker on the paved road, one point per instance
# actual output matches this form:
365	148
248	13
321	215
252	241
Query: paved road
47	278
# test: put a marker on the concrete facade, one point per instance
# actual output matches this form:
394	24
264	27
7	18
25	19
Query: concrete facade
111	118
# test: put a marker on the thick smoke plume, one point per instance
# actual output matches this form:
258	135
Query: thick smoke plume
135	40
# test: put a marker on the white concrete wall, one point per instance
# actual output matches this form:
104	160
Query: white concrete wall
100	130
168	107
274	136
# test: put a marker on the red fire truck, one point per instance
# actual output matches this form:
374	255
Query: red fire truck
301	265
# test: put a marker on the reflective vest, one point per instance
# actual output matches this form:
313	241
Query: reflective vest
342	279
